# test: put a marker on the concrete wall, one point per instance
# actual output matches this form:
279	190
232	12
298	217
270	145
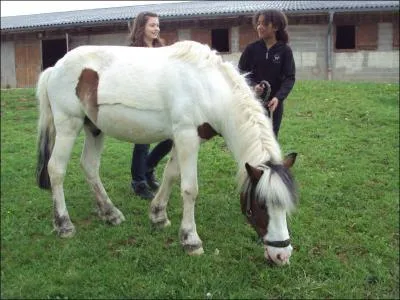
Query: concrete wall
381	65
309	46
8	77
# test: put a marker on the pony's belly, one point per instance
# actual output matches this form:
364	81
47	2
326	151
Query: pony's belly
133	125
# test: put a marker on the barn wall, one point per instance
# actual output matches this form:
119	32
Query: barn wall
8	78
21	53
381	65
309	46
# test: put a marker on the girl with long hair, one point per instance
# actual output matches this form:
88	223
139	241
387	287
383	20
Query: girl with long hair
145	31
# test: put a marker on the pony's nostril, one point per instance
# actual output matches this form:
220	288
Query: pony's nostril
281	257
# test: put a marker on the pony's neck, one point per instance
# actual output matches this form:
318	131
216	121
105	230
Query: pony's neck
248	134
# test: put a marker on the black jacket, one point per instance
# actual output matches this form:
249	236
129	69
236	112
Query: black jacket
275	65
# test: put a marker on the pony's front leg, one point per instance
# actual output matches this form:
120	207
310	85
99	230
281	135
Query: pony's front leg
187	145
158	207
90	162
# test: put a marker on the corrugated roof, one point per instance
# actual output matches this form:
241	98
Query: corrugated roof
182	10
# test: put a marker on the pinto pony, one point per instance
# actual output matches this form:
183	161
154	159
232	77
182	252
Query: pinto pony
183	92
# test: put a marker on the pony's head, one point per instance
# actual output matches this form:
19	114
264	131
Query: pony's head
269	193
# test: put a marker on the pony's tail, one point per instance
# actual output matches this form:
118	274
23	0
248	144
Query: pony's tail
46	131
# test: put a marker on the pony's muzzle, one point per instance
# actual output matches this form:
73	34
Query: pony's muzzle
278	256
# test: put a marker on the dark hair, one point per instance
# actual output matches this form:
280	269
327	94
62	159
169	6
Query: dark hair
136	27
278	19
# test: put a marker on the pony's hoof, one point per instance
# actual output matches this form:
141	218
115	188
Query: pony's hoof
66	232
196	252
117	218
113	217
162	224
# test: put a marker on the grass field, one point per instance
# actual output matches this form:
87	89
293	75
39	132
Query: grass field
345	232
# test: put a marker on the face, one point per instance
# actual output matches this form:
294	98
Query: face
152	29
269	221
265	31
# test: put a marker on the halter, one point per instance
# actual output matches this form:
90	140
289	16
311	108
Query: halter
249	214
267	92
266	99
278	244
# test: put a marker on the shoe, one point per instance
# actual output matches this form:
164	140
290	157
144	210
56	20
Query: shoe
152	181
142	190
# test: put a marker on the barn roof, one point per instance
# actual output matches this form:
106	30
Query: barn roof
184	10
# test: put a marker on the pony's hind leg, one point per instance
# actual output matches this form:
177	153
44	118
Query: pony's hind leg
90	162
158	207
64	142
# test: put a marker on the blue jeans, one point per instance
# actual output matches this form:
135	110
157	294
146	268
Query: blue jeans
143	162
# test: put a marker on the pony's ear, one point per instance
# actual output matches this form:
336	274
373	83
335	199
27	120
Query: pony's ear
254	173
290	159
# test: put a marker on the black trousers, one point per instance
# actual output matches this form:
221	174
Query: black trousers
144	162
277	118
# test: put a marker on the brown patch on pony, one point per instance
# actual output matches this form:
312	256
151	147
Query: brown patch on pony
257	213
257	217
205	131
290	159
86	90
254	173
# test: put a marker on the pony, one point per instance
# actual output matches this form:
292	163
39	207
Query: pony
184	92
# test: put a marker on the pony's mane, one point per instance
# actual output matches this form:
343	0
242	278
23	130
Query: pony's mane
284	192
260	144
195	53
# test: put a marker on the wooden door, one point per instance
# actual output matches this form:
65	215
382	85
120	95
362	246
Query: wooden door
28	62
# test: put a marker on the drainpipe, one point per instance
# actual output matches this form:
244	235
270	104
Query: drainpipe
329	44
67	40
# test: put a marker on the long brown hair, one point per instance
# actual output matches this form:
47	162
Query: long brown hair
278	19
136	35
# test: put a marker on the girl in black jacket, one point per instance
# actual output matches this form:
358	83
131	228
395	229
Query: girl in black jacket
270	59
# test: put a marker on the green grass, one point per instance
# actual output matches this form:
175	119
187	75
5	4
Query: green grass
345	231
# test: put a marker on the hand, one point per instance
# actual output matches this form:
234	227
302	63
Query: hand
272	104
259	89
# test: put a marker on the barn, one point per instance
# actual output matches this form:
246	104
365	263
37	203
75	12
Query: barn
331	40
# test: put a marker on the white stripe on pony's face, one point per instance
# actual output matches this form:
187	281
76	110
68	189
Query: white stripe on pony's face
277	231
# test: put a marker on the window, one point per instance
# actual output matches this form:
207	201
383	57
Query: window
363	36
52	51
345	37
220	40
